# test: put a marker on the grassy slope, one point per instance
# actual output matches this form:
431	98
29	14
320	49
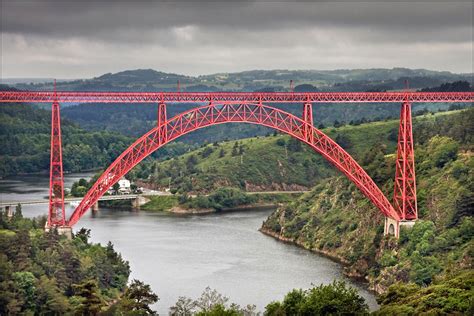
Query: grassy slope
265	165
448	296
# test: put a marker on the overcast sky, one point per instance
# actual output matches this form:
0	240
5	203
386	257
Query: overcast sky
83	39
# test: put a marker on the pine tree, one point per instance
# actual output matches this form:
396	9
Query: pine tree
221	153
138	298
90	301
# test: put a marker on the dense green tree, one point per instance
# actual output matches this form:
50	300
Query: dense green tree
25	283
18	212
274	309
219	310
451	295
137	299
443	150
235	151
207	152
337	124
83	234
191	162
332	299
49	298
464	207
344	141
221	153
294	145
88	300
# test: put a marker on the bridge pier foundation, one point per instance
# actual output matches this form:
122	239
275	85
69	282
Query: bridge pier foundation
9	211
391	227
62	230
95	207
139	201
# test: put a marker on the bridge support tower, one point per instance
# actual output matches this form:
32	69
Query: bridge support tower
56	214
161	123
308	118
61	230
404	192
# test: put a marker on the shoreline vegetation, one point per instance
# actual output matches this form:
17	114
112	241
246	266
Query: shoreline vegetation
221	200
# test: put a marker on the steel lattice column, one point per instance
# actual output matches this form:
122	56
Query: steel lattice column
161	123
308	118
56	216
404	195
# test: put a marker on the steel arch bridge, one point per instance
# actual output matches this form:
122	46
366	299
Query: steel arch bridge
241	107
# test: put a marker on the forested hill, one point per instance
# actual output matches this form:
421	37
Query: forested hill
43	273
25	132
25	137
335	219
260	80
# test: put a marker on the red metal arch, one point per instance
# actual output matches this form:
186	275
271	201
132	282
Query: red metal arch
213	114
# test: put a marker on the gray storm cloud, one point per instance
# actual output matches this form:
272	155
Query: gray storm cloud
70	39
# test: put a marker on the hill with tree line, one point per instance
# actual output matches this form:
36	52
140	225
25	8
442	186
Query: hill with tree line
253	80
25	132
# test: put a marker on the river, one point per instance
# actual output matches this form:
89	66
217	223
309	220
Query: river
181	255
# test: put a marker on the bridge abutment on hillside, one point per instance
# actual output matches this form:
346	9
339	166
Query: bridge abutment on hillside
62	230
139	201
392	227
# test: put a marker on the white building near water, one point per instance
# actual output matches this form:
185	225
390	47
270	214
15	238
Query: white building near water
124	186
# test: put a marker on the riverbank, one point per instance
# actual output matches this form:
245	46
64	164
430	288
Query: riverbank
184	211
334	257
221	200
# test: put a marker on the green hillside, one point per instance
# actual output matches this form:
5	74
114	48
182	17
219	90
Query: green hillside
281	163
335	219
25	138
25	143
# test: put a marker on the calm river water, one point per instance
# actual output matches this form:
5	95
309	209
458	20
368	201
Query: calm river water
181	255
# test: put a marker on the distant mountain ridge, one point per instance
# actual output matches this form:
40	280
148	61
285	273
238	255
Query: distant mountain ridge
254	80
